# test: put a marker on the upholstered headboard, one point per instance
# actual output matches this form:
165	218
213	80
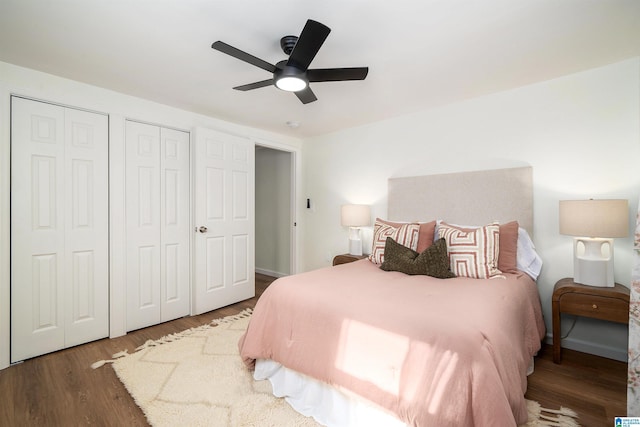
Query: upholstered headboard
466	198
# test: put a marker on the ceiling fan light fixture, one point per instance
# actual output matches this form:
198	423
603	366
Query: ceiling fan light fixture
290	79
291	84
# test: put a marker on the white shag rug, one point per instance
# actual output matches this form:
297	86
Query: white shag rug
197	378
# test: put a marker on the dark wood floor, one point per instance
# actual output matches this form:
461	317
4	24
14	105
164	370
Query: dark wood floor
61	389
594	387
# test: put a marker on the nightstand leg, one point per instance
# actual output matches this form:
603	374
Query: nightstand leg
557	349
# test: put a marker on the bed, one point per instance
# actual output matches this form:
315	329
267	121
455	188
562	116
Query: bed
356	344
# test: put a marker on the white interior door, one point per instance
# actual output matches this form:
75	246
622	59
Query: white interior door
142	201
224	218
86	227
158	228
59	228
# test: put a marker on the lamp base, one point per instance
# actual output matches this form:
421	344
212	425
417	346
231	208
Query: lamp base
593	262
355	244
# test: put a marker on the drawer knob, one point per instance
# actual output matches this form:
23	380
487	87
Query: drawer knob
595	306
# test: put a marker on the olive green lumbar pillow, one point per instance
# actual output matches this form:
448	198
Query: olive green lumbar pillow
434	261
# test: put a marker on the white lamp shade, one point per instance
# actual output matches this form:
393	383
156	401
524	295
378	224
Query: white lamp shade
355	215
594	218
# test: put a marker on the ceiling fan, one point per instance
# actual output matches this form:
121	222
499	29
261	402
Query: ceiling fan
294	75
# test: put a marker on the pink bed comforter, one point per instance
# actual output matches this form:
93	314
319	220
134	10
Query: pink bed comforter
434	352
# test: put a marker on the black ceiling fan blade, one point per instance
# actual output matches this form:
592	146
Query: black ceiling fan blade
243	56
311	39
256	85
306	95
337	74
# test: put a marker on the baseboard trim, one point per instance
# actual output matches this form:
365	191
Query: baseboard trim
592	348
270	272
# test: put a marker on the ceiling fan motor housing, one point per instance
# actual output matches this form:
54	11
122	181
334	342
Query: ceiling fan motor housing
287	43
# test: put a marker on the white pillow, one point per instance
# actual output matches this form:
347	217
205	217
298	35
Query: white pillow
528	259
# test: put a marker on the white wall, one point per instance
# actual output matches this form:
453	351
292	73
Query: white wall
273	212
30	83
580	133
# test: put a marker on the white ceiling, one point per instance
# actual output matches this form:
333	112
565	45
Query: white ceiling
420	53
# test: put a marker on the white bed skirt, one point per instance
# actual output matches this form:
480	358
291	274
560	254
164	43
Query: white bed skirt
327	405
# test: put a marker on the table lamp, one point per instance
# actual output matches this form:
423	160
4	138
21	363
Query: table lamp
354	217
594	223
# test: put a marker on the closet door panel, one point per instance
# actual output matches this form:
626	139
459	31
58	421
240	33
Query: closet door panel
175	232
143	225
87	227
37	229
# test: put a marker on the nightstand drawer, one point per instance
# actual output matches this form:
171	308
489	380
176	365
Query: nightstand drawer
605	308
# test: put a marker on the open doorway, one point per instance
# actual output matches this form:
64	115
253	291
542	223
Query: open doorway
274	213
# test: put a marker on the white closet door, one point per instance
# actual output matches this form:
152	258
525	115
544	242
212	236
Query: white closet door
37	229
224	217
142	201
86	227
59	258
158	230
175	253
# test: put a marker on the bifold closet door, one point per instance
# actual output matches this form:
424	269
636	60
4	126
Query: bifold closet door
157	224
59	228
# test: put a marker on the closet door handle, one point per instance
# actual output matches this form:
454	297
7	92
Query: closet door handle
202	229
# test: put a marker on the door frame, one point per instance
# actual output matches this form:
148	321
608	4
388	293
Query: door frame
296	173
5	227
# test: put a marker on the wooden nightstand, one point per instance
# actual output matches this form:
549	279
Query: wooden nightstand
345	258
589	301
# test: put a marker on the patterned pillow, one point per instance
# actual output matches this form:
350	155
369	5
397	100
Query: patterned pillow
431	262
508	256
405	234
472	252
